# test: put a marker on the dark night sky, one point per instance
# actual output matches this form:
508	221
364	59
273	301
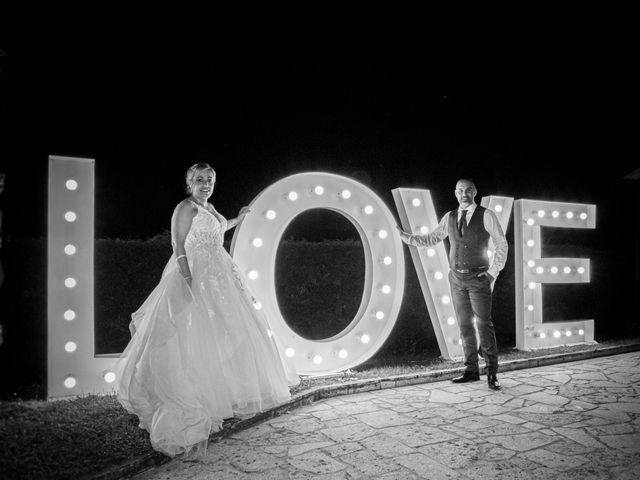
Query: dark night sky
523	118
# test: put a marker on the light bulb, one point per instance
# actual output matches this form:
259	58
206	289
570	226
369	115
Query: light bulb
70	347
271	214
257	242
318	190
70	382
368	209
70	216
293	196
71	184
289	352
416	202
70	249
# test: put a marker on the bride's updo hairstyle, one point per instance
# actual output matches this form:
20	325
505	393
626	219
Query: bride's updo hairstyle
194	170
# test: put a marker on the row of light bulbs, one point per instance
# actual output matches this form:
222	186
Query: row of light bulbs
557	333
69	315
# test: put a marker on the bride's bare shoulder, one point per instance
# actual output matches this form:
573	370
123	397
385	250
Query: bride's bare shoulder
185	207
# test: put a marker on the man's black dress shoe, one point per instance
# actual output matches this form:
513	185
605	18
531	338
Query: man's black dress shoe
467	377
493	383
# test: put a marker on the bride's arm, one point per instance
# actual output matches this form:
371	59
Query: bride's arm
180	225
235	221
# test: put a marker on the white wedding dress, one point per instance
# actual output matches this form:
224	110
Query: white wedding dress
202	354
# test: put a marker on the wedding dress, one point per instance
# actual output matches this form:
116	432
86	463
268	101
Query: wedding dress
202	354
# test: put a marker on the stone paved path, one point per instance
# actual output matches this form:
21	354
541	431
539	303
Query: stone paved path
575	420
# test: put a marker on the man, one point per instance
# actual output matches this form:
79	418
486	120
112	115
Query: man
469	228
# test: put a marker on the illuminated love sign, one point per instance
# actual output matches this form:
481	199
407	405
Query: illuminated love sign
74	368
254	247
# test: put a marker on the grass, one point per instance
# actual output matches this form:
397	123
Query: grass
82	436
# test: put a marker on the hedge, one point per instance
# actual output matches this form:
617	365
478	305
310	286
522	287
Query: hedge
319	287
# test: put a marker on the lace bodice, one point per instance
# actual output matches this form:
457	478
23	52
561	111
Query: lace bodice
207	229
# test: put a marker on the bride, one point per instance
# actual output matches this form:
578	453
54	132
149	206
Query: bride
200	352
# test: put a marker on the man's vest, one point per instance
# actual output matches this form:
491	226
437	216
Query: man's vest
468	252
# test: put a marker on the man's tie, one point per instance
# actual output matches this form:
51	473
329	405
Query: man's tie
462	223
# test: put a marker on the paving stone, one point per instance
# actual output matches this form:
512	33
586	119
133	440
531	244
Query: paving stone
579	436
385	418
369	463
628	442
448	398
306	447
385	446
554	460
363	407
340	422
612	429
298	424
457	453
316	463
550	419
475	422
507	417
418	435
349	433
343	448
547	398
425	467
522	442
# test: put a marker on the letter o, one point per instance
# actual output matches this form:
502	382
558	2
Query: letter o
368	330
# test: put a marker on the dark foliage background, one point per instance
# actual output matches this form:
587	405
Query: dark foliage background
319	287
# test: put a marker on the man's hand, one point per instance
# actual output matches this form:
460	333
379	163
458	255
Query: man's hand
404	236
486	274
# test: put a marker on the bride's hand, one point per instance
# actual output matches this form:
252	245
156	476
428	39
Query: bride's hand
243	213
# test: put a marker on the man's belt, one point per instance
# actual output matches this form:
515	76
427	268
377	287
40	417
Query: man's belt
471	270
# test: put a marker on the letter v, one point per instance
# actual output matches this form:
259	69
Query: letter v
417	215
